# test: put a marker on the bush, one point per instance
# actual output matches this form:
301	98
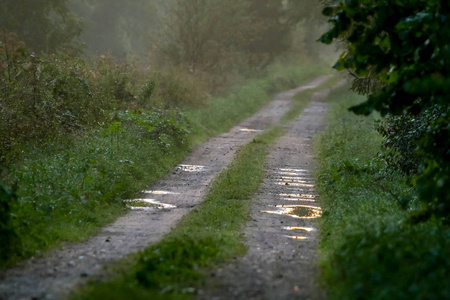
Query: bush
400	136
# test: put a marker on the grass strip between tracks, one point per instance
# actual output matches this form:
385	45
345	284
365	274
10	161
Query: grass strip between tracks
68	191
206	236
302	99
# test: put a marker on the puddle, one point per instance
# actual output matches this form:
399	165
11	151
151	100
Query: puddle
297	211
296	178
294	237
297	196
298	199
293	179
249	130
191	168
160	192
307	229
147	204
291	173
294	170
294	184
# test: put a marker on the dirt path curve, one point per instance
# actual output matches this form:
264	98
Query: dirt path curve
282	235
57	272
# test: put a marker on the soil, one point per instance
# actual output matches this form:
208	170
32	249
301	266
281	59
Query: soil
157	210
282	235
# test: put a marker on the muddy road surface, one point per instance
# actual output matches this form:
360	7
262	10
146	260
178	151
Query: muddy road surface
282	235
151	216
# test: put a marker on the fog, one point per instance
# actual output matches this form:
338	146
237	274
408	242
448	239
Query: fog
215	36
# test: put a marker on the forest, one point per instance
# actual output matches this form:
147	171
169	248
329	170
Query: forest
99	99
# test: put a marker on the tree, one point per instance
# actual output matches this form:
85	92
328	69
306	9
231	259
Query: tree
405	47
117	27
44	25
213	35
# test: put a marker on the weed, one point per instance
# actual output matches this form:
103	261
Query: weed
210	234
369	250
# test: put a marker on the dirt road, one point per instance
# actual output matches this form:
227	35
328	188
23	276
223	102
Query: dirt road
158	209
282	235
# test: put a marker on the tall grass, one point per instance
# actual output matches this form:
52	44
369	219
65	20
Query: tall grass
241	101
369	248
210	234
98	133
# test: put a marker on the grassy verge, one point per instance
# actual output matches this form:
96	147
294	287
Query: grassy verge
222	113
208	235
302	99
67	191
369	248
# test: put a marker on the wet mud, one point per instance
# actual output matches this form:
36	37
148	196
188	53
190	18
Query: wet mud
282	235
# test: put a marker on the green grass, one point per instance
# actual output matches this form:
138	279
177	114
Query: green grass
369	249
222	113
68	191
210	234
302	99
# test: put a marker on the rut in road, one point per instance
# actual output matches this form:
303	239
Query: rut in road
56	273
282	234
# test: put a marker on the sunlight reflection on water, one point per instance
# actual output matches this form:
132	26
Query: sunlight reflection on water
191	168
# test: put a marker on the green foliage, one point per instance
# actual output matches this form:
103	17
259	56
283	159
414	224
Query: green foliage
44	25
210	234
79	137
217	40
404	44
9	240
401	134
115	27
369	248
67	191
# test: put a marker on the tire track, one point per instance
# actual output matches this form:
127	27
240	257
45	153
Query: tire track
152	215
282	234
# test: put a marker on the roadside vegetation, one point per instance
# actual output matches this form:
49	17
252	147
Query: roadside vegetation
206	237
370	249
69	163
210	234
80	134
386	204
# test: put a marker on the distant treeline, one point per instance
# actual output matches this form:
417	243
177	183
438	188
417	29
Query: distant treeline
191	32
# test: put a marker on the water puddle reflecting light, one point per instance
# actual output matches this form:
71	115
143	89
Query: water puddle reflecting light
147	204
191	168
297	211
296	237
296	178
249	130
294	170
308	229
294	184
298	199
297	196
160	192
